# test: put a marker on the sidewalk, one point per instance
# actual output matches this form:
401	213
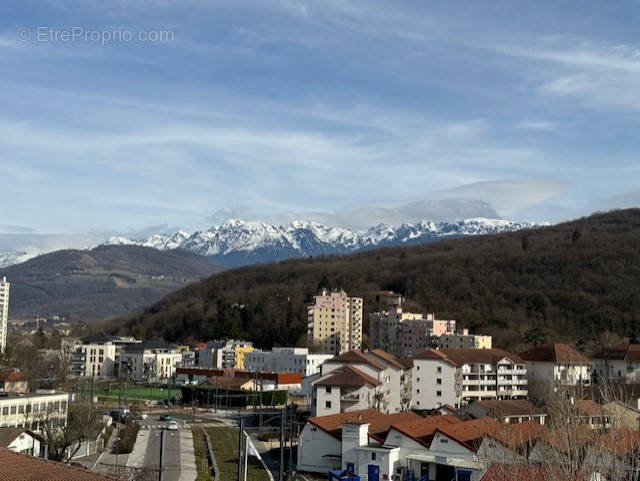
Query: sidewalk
188	468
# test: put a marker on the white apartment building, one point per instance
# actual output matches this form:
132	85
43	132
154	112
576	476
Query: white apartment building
285	359
224	354
4	313
151	361
619	363
98	355
30	410
462	340
356	380
554	365
461	376
335	322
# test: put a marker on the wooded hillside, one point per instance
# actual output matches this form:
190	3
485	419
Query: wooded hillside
571	281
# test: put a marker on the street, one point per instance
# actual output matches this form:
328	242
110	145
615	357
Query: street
172	456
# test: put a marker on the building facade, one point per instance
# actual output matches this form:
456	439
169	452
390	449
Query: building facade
458	377
462	340
551	366
285	359
335	322
224	354
4	313
356	380
405	334
151	361
619	363
32	409
97	356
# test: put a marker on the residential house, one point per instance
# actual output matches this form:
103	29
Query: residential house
22	440
461	376
510	411
356	380
619	363
320	444
551	366
16	466
12	380
623	415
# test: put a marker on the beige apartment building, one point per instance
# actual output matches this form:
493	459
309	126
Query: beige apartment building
335	322
462	340
4	313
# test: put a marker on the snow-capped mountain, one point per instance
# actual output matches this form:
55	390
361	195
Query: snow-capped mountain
9	258
237	242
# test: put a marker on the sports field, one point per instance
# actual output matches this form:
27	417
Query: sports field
138	393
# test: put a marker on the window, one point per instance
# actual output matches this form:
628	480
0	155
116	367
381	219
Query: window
438	393
439	369
373	456
439	380
13	410
5	410
328	389
417	391
444	441
327	404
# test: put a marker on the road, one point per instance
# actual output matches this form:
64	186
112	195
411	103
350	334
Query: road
172	463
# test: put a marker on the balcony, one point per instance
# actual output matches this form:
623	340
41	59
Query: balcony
350	398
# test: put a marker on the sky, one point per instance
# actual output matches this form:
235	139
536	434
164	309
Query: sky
141	115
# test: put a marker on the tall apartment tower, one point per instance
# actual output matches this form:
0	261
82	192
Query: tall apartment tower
4	313
335	322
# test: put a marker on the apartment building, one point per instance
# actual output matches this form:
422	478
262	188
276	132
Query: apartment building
461	376
285	359
151	361
98	355
405	334
335	322
30	410
553	365
462	340
224	354
356	380
619	363
4	313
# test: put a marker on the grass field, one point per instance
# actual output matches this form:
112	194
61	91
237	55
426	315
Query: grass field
225	448
138	393
200	448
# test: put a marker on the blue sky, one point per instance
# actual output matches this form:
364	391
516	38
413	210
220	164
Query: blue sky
282	109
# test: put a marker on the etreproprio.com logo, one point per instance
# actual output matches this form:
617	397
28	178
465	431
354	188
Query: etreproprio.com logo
44	34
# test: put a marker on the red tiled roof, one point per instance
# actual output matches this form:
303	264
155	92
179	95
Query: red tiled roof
12	375
556	353
623	351
356	357
390	358
332	424
459	357
347	376
379	427
20	467
526	432
589	407
470	433
422	430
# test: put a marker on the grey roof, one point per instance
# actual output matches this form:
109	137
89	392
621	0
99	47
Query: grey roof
155	343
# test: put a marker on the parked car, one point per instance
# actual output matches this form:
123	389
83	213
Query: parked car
172	426
165	417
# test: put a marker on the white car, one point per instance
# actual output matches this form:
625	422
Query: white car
172	426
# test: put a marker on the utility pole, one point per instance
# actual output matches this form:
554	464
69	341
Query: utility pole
282	422
161	470
240	450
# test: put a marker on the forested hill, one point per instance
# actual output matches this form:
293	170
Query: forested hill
571	281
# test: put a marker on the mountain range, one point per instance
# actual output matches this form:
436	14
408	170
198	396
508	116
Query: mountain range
575	282
236	242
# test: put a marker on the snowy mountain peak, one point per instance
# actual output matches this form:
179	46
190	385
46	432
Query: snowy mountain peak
237	242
